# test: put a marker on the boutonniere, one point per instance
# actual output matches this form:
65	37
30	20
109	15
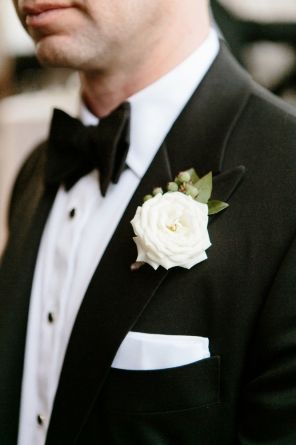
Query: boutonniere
171	227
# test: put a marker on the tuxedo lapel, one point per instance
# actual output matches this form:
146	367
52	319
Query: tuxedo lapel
200	135
116	296
16	283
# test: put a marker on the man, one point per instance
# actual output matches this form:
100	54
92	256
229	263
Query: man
106	354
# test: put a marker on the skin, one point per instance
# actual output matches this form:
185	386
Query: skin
119	47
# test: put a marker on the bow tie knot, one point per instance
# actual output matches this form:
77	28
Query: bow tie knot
75	150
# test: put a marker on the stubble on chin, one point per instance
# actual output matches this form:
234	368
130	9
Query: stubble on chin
63	52
54	53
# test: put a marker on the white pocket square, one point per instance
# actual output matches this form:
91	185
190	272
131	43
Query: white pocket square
140	351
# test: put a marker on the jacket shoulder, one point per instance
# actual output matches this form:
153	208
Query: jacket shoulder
265	131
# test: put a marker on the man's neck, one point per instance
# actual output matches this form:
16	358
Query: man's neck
103	92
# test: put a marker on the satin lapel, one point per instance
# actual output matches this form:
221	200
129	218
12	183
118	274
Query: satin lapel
116	296
200	136
16	282
114	300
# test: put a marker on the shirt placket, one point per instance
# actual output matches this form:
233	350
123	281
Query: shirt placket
61	260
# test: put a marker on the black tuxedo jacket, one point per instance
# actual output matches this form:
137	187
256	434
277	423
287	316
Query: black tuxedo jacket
243	298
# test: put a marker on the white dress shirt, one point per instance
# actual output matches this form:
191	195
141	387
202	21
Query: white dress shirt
79	228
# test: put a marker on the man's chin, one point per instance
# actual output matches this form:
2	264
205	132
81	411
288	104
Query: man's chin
51	52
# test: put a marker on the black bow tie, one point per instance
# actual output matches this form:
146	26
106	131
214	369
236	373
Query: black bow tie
75	150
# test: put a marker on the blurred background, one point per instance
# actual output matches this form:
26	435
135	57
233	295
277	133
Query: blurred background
260	33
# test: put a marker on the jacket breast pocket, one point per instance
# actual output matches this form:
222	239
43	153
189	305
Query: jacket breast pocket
184	387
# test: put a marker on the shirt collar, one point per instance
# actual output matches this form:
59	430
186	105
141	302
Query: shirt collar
155	108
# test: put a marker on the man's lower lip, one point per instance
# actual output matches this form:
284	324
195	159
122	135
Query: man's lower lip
43	18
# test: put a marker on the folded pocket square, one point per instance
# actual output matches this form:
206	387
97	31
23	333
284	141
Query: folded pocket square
140	351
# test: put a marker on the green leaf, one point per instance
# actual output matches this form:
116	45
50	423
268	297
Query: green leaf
204	186
193	175
216	206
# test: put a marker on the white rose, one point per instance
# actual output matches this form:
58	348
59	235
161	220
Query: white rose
171	230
